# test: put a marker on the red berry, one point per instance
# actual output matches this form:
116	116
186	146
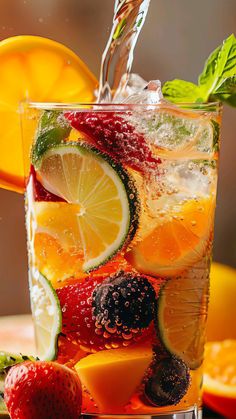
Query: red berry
111	133
39	192
42	390
80	325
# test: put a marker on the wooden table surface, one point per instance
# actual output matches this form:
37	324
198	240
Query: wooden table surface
17	335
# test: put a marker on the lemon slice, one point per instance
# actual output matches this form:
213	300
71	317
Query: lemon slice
101	209
34	69
46	313
182	311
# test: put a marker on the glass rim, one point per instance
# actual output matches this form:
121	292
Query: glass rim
195	106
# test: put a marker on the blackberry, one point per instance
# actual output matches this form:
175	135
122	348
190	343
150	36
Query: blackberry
124	302
168	382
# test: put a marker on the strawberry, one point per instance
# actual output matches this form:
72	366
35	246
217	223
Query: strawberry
42	390
82	324
111	133
38	190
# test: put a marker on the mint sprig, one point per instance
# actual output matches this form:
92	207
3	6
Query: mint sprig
217	82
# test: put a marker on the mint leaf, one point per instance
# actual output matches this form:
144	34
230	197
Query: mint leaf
220	65
227	86
181	91
217	82
216	134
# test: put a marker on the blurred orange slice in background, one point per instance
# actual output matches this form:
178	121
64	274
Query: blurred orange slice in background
222	307
220	377
220	351
40	70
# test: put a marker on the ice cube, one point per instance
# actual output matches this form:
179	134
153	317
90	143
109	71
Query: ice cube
129	85
138	91
150	95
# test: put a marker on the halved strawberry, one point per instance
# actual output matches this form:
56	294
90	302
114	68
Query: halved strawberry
113	134
85	309
38	191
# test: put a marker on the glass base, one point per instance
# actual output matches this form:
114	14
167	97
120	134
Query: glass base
193	413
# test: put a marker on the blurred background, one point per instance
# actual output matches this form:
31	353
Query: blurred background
176	39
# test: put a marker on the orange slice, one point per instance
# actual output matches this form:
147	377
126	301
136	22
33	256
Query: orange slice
34	69
177	242
112	376
220	377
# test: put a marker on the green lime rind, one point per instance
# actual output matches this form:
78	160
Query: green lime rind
53	129
41	283
126	185
198	339
7	360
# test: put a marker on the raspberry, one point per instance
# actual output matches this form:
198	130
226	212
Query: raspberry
111	133
124	302
168	383
80	325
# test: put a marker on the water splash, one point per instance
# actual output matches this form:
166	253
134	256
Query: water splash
117	59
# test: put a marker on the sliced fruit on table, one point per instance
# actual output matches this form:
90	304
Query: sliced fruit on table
43	390
102	204
176	243
219	384
34	69
46	313
112	376
222	307
181	316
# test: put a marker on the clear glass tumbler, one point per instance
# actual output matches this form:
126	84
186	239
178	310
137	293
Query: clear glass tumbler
120	203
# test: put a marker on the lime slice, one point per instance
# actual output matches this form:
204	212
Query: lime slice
46	313
53	129
182	310
101	211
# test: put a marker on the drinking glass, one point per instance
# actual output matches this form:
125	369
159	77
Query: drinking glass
120	203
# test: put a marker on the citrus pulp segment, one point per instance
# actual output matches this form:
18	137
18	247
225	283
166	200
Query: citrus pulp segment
46	313
181	317
102	205
34	69
176	242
